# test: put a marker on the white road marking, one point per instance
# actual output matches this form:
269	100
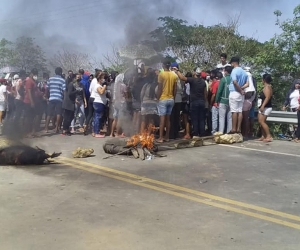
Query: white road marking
259	150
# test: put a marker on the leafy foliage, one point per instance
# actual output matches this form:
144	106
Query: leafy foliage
198	45
6	53
28	55
281	56
113	62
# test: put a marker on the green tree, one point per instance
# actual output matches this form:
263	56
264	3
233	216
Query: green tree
281	56
29	55
199	45
6	53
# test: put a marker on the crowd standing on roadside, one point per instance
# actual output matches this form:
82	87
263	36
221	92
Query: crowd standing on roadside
103	104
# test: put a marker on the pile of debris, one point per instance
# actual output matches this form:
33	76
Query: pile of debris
142	146
221	138
82	152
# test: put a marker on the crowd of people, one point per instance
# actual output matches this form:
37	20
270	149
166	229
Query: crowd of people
188	105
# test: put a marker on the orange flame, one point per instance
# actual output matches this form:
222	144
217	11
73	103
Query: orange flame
145	139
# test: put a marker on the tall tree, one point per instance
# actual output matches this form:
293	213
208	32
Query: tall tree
6	53
281	55
112	61
199	45
74	61
29	55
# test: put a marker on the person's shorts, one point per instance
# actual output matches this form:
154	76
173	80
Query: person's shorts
119	110
247	105
41	108
165	107
149	108
236	102
2	106
266	112
185	108
29	111
252	112
54	108
136	106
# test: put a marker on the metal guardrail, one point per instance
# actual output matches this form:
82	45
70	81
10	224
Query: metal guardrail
283	117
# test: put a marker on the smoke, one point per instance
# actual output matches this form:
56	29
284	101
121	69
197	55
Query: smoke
143	17
90	27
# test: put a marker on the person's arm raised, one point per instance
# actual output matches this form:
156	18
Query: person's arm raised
181	76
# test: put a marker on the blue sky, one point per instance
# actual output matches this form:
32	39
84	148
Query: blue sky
93	26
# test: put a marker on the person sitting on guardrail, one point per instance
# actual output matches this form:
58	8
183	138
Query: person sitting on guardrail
264	104
250	94
292	101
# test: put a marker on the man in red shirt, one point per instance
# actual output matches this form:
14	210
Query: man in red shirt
30	102
214	106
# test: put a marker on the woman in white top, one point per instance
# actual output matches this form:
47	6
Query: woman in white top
99	94
292	100
90	104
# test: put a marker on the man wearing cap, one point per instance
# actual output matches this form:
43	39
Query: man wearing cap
166	92
239	79
198	98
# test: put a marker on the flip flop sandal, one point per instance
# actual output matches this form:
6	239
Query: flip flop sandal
268	140
99	136
66	134
121	136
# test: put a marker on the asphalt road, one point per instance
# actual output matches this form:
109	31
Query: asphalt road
244	196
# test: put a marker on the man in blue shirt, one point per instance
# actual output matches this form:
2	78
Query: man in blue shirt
239	80
56	87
